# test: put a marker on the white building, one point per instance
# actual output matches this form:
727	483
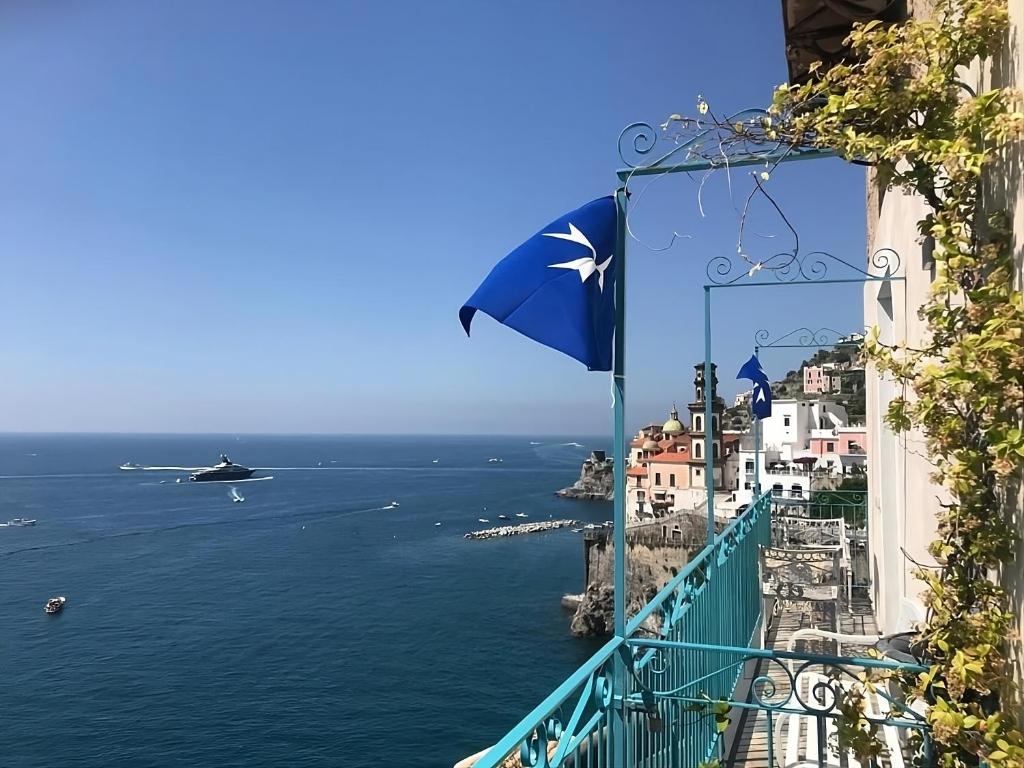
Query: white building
793	454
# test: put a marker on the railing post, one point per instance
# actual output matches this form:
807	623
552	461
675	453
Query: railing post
619	747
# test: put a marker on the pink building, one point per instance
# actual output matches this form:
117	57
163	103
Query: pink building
842	440
817	380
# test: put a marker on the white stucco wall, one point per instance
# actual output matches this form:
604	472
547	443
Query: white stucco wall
902	499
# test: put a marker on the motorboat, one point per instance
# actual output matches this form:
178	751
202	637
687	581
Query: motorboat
436	524
503	517
521	514
21	521
128	465
223	470
55	604
482	520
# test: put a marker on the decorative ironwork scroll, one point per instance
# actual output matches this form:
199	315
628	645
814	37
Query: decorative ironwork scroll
803	337
682	144
807	268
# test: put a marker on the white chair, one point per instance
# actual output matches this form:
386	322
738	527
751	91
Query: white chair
797	738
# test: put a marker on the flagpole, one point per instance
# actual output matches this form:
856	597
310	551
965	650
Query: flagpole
709	461
619	672
757	439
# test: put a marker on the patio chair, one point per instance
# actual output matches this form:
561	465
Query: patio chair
790	532
798	738
802	575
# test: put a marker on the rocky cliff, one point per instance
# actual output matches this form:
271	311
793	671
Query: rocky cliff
597	480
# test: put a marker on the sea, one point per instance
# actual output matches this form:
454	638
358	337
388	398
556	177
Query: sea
326	620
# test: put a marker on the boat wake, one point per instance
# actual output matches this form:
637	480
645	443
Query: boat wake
287	515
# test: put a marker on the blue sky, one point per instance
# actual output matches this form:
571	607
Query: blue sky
264	216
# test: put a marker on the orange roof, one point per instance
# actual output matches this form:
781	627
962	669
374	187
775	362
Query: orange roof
671	457
636	472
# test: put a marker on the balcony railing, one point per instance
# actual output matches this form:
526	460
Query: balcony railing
600	716
662	695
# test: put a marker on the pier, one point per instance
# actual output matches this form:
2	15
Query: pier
518	530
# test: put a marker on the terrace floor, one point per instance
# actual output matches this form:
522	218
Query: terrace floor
749	742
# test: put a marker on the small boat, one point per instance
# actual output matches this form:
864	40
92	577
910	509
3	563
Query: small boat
521	514
128	465
494	461
577	530
482	520
436	524
21	521
395	504
55	604
503	517
436	460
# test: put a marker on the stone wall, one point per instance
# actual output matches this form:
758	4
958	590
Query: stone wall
651	561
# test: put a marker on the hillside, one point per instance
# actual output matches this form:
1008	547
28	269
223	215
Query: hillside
847	360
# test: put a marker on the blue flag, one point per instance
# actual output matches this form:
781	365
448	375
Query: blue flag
558	287
761	397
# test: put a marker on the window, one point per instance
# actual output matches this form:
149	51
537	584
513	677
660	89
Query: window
747	485
830	447
785	421
696	450
796	491
698	423
714	423
657	478
697	472
714	449
672	480
750	467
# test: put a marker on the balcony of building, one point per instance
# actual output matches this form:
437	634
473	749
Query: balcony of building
743	658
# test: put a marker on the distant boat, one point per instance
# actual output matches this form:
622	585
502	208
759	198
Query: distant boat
55	604
21	521
129	466
236	496
177	480
436	460
395	504
576	530
482	520
224	470
503	517
493	461
521	514
436	524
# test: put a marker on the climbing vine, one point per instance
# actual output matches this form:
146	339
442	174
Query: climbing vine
898	103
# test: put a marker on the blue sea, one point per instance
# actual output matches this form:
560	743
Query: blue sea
314	624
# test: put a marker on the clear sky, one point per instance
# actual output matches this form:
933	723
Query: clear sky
264	216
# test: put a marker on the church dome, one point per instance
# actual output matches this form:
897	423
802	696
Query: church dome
650	445
673	426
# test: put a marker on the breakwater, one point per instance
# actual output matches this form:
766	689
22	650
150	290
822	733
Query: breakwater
518	530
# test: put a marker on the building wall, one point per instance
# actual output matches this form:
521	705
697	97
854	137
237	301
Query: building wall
902	498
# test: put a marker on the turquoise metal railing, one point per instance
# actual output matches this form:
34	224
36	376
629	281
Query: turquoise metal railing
800	694
715	600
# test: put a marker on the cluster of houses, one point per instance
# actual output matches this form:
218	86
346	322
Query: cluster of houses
805	445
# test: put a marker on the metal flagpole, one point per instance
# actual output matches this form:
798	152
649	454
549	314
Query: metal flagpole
757	438
619	672
709	462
